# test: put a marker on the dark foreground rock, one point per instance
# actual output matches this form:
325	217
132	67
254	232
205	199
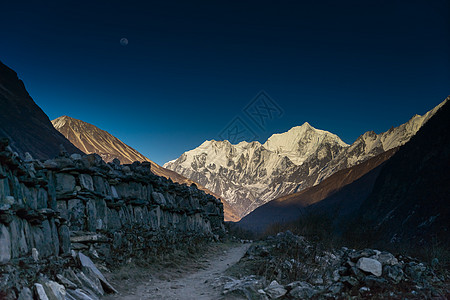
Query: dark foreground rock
57	215
287	266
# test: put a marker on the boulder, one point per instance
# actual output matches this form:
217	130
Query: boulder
370	265
40	292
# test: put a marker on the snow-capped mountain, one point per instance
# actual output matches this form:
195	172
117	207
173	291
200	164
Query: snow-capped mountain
300	142
248	175
371	144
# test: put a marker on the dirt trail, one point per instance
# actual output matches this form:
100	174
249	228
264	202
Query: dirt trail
178	283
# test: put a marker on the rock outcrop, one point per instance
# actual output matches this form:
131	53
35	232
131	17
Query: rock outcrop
53	211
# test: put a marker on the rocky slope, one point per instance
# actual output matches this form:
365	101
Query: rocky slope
247	175
91	139
287	266
24	123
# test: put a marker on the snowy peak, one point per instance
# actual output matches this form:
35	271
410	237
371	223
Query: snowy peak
300	142
250	174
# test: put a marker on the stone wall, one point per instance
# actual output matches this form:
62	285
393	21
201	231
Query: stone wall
53	207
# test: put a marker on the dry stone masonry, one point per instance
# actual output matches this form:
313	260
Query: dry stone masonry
52	211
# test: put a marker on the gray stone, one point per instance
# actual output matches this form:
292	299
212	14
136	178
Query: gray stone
275	290
90	284
86	182
247	286
336	288
79	294
377	282
64	238
70	275
65	183
19	245
25	294
295	284
87	262
395	273
302	292
91	215
54	291
61	207
158	198
370	265
46	247
5	245
55	237
66	282
114	192
35	254
76	214
75	156
10	200
40	292
352	281
386	258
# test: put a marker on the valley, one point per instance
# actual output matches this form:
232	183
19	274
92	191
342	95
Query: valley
204	186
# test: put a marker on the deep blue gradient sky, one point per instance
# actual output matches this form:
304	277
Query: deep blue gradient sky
191	66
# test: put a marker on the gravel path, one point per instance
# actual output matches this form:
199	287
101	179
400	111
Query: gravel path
187	284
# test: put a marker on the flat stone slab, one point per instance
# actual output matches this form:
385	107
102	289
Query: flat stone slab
88	263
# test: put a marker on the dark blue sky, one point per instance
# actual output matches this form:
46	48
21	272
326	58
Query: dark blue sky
192	66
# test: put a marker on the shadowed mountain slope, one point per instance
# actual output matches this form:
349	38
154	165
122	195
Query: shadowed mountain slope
23	121
411	196
291	207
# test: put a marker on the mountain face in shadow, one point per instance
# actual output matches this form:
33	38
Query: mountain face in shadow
291	207
24	123
91	139
411	196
